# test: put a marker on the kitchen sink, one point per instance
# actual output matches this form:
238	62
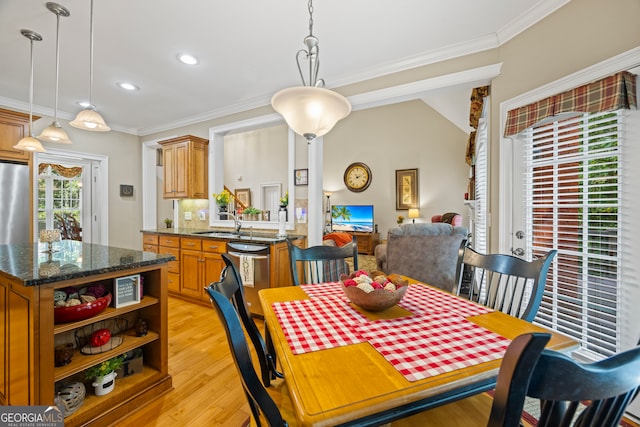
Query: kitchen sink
221	234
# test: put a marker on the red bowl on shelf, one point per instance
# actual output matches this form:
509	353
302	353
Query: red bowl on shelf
81	311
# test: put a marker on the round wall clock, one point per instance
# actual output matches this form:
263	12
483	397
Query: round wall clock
357	177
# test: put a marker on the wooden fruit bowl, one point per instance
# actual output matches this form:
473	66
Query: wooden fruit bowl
378	299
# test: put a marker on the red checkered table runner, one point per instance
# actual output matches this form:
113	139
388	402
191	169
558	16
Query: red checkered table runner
436	339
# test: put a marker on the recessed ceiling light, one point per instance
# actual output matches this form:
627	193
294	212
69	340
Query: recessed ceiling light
127	86
84	104
188	59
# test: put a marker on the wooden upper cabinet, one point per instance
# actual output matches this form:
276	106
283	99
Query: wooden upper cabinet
185	167
13	127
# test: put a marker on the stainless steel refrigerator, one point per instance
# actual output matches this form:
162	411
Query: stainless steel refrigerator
14	203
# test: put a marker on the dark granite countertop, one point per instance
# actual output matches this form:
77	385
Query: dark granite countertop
30	264
245	235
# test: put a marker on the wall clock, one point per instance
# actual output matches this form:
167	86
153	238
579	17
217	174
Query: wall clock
357	177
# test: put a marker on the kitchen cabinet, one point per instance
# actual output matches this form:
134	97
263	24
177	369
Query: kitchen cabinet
201	264
185	163
13	127
27	372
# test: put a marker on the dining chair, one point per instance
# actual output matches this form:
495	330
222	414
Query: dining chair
321	264
570	393
503	282
230	285
263	407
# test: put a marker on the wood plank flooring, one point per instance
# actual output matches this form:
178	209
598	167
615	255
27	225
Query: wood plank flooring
207	390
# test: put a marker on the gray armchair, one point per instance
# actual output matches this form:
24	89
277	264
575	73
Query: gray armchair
425	252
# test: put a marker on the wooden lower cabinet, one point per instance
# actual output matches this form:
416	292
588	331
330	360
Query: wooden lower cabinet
27	372
201	264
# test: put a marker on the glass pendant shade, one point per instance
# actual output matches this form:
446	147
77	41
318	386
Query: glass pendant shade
29	143
54	133
90	119
311	111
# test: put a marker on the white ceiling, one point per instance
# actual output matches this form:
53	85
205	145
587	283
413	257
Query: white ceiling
246	49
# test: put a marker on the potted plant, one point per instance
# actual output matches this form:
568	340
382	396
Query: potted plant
284	200
222	200
168	222
400	219
104	375
251	213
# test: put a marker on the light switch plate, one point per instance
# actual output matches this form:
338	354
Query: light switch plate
187	216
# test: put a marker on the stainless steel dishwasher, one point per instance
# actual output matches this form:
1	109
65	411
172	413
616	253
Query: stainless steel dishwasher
252	262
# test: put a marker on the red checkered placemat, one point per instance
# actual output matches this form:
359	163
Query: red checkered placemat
324	289
318	323
423	346
424	300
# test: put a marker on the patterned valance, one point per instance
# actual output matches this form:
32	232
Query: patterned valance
475	111
611	93
61	170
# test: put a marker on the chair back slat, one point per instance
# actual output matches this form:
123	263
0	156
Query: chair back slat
504	282
320	264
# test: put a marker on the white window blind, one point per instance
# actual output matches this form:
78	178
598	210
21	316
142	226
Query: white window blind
574	204
480	209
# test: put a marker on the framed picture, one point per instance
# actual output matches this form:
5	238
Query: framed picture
126	291
301	176
407	195
243	195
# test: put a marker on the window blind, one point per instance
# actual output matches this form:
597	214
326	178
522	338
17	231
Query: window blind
574	204
480	208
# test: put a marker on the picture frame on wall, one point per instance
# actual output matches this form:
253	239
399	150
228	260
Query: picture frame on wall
301	176
407	196
126	291
243	195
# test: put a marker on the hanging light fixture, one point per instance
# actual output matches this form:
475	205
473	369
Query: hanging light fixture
312	110
89	118
54	132
29	143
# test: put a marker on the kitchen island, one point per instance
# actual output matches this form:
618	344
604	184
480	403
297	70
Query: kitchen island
29	279
199	262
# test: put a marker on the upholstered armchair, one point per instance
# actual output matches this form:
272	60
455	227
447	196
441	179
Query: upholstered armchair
425	252
448	218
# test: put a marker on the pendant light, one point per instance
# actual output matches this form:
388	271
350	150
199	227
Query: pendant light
312	110
29	143
54	132
89	118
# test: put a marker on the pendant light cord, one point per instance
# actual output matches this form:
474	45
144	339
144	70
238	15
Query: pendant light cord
55	110
91	58
31	92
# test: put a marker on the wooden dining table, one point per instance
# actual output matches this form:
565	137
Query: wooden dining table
347	366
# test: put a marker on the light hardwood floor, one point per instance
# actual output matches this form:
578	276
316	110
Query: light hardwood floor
207	390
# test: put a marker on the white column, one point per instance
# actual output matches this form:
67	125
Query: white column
315	215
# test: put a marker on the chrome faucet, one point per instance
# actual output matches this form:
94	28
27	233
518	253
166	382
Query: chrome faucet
235	219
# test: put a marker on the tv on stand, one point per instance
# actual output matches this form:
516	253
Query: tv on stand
358	221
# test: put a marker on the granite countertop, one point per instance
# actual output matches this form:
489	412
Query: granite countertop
226	234
29	263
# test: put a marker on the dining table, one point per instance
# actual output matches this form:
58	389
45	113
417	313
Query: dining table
344	365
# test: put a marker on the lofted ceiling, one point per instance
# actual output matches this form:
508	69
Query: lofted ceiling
246	50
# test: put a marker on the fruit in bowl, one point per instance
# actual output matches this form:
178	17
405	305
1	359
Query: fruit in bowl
373	291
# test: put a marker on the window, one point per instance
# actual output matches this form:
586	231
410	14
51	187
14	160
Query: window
59	200
575	203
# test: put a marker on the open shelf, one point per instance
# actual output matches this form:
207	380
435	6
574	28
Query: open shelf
108	313
80	361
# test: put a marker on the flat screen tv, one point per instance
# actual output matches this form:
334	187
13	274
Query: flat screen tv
352	218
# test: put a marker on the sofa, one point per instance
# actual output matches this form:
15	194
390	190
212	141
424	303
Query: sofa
452	218
425	252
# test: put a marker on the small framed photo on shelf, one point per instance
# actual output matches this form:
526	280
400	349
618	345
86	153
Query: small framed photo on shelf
301	176
126	291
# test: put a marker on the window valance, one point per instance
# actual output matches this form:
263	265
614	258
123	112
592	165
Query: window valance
611	93
475	111
61	170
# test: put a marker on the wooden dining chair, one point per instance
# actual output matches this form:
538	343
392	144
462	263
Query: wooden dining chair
321	264
570	393
230	285
263	407
503	282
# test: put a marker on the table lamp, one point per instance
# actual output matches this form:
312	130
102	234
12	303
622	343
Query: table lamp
49	236
413	214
